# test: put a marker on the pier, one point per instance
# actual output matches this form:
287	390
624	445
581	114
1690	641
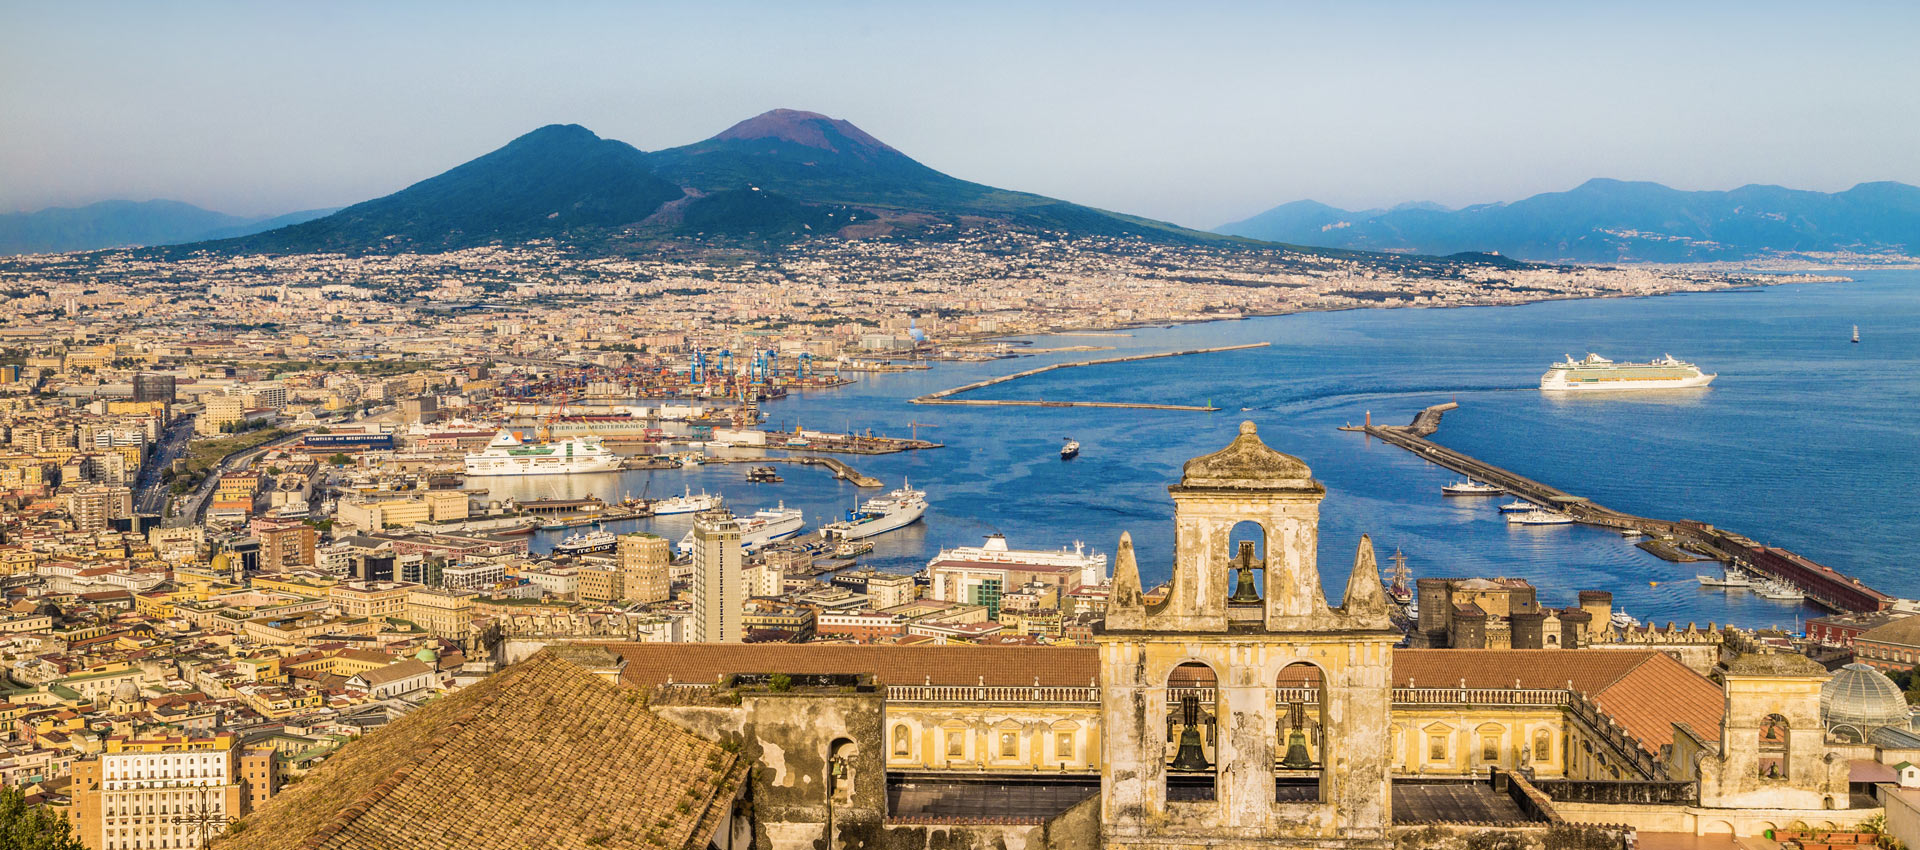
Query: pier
839	467
946	396
1822	585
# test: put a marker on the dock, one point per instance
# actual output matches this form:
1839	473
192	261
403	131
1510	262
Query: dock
839	467
946	396
1675	539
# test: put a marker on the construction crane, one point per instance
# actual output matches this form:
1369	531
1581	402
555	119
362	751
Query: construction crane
916	426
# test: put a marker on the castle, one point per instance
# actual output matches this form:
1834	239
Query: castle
1239	710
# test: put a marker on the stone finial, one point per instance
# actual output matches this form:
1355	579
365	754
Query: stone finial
1366	599
1126	608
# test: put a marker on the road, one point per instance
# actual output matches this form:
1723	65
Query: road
152	498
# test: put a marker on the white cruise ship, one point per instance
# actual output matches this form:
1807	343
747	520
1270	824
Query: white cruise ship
1090	569
580	544
764	526
880	514
1598	373
507	455
687	504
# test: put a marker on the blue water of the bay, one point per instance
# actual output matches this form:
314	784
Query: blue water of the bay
1805	441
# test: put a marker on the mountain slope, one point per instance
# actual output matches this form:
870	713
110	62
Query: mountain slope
552	182
780	175
1619	221
108	224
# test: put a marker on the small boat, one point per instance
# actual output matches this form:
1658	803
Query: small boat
1631	533
764	475
1539	517
852	548
1518	506
1071	450
1856	334
1623	620
1778	590
1471	487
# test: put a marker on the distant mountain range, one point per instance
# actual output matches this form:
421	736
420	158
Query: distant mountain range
776	176
121	224
1614	221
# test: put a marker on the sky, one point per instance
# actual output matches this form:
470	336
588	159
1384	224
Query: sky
1194	112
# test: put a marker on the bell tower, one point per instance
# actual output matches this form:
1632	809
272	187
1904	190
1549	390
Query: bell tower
1242	710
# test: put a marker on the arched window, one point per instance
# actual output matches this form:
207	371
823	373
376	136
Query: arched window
902	741
1300	747
1246	560
1190	753
1775	747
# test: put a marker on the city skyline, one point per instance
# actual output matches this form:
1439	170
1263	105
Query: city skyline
1198	119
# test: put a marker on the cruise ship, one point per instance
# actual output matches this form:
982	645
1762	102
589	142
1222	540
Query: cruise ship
994	556
764	526
507	455
687	504
1598	373
880	514
581	544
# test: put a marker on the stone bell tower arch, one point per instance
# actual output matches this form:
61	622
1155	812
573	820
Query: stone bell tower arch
1228	788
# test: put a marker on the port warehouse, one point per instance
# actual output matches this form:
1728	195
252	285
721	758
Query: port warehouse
363	442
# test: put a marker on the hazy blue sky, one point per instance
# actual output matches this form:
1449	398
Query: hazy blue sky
1195	112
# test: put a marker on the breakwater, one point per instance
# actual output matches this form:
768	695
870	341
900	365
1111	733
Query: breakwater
946	396
1822	585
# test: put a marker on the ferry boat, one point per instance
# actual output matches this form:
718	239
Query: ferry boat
687	504
1539	517
508	455
1598	373
764	526
1071	450
880	514
597	540
1471	487
1518	506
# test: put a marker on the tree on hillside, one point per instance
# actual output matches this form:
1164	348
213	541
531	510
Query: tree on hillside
33	828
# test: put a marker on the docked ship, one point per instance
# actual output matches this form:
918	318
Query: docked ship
1083	568
1518	506
764	526
879	515
1539	516
687	503
581	544
1470	487
508	455
1598	373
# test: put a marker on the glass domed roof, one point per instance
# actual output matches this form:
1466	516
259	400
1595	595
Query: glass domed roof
1863	698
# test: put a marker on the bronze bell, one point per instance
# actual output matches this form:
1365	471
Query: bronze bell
1191	756
1297	757
1244	590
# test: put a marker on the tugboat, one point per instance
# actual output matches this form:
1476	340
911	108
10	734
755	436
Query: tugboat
1071	450
764	475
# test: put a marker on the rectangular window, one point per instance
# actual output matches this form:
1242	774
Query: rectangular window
956	745
1489	749
1437	747
1009	745
1063	745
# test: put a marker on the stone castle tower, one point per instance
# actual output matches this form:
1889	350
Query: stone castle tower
1244	714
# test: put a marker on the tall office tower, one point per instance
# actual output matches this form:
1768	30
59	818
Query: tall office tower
717	594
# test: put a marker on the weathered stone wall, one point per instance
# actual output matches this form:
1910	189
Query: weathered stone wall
1512	837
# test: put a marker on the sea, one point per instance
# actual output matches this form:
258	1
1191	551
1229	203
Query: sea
1806	440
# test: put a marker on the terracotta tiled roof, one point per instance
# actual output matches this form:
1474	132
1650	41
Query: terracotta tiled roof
1646	690
1901	632
541	755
